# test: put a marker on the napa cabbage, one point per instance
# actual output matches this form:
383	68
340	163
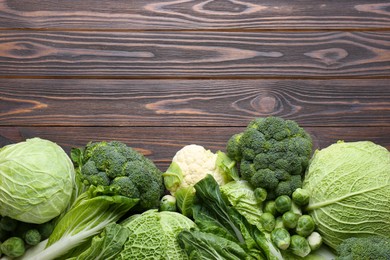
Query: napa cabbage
349	183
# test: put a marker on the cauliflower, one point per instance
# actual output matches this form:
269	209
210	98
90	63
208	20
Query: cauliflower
191	164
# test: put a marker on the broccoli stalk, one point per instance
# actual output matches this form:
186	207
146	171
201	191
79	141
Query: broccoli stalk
273	154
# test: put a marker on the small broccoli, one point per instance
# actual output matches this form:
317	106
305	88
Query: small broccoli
370	248
122	169
273	154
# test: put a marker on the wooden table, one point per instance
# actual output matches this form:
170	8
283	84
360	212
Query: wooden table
162	74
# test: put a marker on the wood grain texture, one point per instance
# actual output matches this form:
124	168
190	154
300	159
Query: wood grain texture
198	14
161	143
195	54
181	103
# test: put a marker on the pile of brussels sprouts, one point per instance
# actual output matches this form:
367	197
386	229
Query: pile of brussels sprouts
289	227
16	236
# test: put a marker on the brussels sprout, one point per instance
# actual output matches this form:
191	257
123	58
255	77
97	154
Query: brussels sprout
301	197
315	240
260	194
305	225
290	219
283	203
281	238
279	222
299	246
270	207
13	247
168	203
267	221
32	237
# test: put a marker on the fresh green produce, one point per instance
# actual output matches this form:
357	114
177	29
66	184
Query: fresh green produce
283	204
13	247
242	197
168	203
213	215
122	169
349	186
189	165
152	235
93	210
305	225
371	247
32	237
277	220
202	245
273	154
37	180
299	246
281	238
301	197
104	246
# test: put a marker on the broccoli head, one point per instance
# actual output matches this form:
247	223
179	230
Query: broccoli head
121	168
273	154
372	247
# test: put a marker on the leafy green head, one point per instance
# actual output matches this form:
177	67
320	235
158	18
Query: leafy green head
349	186
37	180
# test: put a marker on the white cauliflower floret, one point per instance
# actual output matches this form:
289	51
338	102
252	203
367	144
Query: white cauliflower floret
195	163
192	163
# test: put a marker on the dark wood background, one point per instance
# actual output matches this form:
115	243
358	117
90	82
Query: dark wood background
159	75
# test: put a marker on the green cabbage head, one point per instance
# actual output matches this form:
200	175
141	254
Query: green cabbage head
350	191
36	180
153	236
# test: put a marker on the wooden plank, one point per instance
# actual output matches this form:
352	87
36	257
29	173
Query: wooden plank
71	102
161	143
195	54
184	14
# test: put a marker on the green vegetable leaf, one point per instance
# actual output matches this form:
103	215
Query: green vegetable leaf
104	246
185	199
207	190
201	245
92	211
228	166
173	176
242	197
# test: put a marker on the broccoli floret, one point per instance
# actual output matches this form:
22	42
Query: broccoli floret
122	169
370	248
234	151
272	152
144	177
124	186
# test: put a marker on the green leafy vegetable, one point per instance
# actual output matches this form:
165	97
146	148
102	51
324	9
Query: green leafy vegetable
37	180
91	212
152	235
106	245
349	183
242	197
201	245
